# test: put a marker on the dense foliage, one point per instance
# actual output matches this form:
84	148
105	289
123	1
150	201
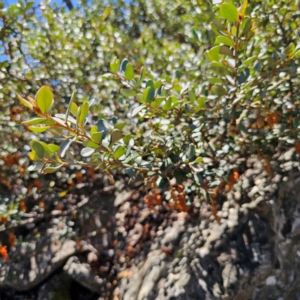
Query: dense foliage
175	94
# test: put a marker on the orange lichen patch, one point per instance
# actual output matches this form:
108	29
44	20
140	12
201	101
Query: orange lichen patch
232	180
3	220
12	159
3	252
214	193
260	122
214	210
12	239
22	206
297	147
91	172
149	201
153	198
78	177
126	273
38	184
272	118
178	195
6	183
267	166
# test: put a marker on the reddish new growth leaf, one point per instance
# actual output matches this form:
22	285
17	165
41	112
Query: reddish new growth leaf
3	252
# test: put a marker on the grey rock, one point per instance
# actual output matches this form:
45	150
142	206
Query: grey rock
83	274
32	263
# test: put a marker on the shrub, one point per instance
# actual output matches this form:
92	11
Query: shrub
185	131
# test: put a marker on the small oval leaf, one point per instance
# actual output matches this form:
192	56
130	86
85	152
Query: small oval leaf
44	99
229	12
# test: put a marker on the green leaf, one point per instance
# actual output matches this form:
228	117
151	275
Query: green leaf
25	102
119	152
128	92
83	111
44	99
65	146
94	129
36	167
245	26
219	90
97	137
124	64
115	136
52	169
38	149
69	106
198	160
38	128
224	50
225	40
289	50
218	25
53	148
90	144
137	109
35	121
249	60
229	12
297	53
74	109
120	125
242	8
114	65
86	152
168	104
213	53
129	72
201	103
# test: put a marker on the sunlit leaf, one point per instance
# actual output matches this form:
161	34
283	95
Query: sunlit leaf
137	109
44	99
129	72
97	136
25	102
229	12
225	40
128	92
65	146
119	152
51	169
83	111
86	152
39	128
289	50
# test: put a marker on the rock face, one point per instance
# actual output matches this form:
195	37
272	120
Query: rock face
253	252
32	263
